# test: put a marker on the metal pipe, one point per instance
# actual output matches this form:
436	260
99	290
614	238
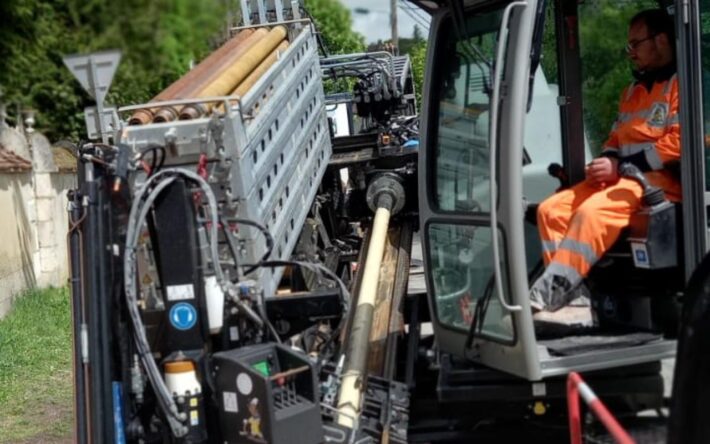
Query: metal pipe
75	247
385	196
259	71
215	70
350	393
203	69
237	72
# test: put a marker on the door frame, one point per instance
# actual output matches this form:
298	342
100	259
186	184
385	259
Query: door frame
520	358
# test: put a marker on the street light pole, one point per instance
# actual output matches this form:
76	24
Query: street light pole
393	24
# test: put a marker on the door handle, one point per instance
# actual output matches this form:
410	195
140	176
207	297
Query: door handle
493	132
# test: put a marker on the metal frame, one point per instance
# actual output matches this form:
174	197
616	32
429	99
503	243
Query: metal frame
695	199
520	359
597	360
267	11
570	88
267	153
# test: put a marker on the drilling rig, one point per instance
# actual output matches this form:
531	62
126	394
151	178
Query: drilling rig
214	241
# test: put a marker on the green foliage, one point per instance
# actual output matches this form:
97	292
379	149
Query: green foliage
605	70
35	368
334	23
418	58
335	26
159	39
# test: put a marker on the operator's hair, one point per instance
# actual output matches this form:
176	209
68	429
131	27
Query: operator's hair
657	21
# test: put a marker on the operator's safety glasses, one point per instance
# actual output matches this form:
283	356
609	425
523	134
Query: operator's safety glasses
633	46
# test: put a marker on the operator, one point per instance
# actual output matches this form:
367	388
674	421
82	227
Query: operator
579	224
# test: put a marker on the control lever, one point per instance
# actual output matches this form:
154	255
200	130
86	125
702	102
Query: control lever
558	172
652	195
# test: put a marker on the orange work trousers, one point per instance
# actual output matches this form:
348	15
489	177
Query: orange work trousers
577	226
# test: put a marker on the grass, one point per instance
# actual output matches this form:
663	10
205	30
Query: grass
36	369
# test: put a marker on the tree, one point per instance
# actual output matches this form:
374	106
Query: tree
418	58
606	70
159	39
334	24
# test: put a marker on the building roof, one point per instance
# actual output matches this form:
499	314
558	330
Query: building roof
12	163
64	159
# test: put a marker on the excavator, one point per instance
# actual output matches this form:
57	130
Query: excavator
260	256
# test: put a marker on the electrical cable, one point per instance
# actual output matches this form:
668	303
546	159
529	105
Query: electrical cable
142	204
479	313
415	10
267	235
163	397
155	163
269	326
231	244
319	270
319	37
414	17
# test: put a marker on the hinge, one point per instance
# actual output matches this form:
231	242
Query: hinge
685	12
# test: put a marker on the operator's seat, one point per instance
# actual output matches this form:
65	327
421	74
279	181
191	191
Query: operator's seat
635	284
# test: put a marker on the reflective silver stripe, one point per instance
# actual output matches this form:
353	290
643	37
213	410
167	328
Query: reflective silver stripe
580	248
549	246
673	120
669	84
548	293
649	150
567	272
655	115
653	159
634	148
624	117
627	117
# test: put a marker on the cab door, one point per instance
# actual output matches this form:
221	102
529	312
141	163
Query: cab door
471	197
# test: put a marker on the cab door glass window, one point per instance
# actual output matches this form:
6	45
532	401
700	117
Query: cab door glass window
463	278
464	89
705	57
606	70
460	254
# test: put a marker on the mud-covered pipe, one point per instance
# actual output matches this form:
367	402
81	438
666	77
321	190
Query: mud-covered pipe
202	70
231	77
385	196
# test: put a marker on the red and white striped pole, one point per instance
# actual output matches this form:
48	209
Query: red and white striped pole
576	387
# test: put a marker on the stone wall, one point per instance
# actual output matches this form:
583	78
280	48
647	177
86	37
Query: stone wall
17	240
34	222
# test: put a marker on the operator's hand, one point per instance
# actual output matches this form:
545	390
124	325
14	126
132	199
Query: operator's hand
602	171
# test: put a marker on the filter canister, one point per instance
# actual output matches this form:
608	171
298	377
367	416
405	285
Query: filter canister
180	378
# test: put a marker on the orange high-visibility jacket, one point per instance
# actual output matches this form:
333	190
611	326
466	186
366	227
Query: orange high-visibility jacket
647	132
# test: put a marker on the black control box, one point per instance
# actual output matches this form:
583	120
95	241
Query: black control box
267	393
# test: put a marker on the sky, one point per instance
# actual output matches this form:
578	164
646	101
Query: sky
376	24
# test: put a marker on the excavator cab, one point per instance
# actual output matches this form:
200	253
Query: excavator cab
492	123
